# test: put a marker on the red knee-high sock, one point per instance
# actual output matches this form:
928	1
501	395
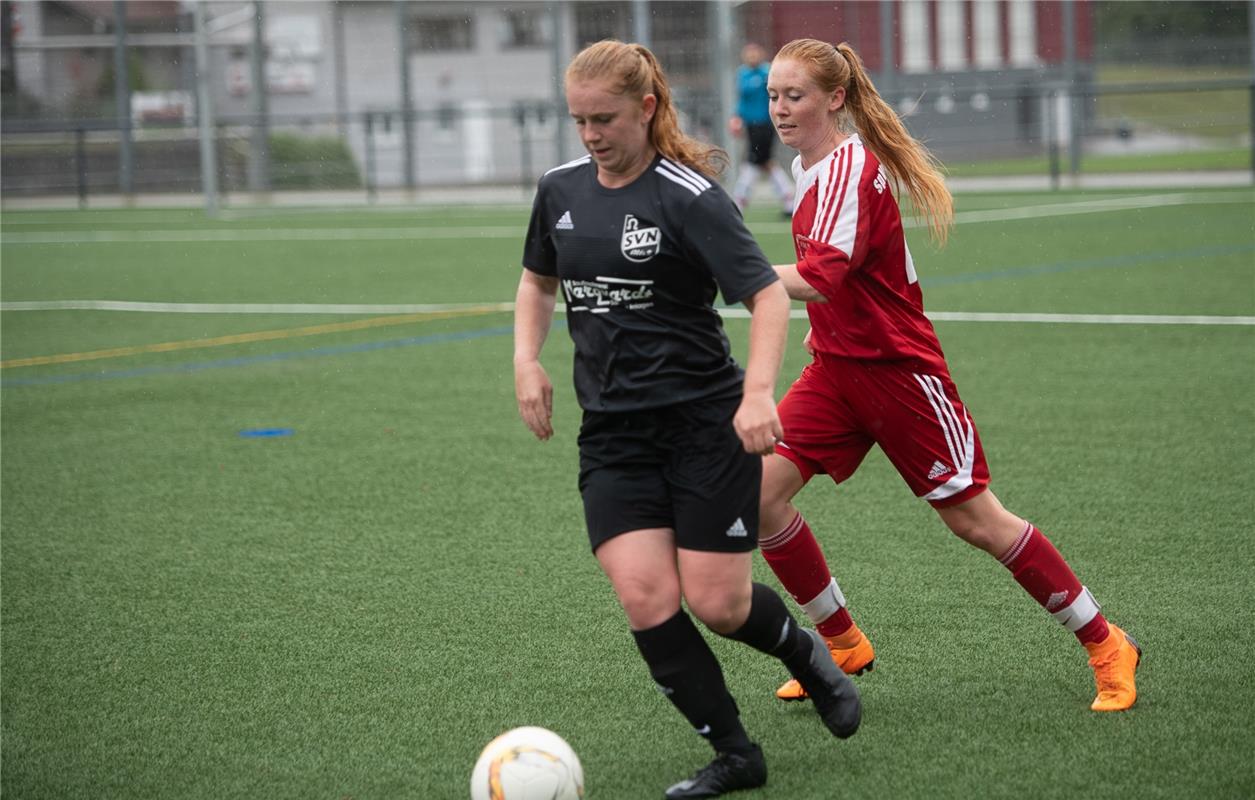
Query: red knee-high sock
795	557
1037	566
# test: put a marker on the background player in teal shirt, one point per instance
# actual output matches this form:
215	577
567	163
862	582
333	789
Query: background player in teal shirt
753	118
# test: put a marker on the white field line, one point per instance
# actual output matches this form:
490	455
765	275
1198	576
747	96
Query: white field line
731	313
1091	206
469	232
175	216
265	235
1092	319
247	308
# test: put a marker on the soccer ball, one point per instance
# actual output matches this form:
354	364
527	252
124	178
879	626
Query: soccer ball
527	764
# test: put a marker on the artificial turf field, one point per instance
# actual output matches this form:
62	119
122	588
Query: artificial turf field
354	609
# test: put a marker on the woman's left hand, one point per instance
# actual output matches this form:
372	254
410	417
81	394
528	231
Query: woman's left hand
758	424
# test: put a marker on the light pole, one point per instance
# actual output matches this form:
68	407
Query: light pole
204	115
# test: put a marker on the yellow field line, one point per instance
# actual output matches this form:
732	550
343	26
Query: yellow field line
243	338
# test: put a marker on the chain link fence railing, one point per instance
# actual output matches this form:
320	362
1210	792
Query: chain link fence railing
1018	131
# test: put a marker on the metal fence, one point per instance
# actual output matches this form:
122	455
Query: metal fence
1042	129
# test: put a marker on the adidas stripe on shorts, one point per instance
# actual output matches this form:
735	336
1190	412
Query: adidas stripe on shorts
839	407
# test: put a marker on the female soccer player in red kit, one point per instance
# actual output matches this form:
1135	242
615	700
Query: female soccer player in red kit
878	375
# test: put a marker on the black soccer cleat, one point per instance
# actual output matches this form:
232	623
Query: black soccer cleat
834	694
727	773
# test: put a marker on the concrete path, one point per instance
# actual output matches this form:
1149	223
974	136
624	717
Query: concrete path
518	196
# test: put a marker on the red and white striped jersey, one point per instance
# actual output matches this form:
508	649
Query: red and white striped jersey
847	232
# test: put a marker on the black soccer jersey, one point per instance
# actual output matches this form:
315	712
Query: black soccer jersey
639	268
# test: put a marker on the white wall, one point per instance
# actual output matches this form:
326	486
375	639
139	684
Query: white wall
951	34
916	37
987	33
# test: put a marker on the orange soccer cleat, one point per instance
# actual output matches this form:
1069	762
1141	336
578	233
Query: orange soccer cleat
851	651
1115	667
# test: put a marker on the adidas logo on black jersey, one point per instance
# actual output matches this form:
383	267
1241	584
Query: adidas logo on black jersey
564	222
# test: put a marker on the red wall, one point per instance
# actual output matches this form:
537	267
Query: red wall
858	22
855	22
1050	45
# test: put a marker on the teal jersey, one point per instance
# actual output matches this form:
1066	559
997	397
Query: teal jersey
751	87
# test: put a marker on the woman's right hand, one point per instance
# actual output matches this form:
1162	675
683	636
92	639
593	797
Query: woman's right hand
806	342
534	393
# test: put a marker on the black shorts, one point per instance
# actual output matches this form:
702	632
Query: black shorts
761	137
680	467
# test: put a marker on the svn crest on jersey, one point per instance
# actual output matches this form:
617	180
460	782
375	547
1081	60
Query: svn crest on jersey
639	244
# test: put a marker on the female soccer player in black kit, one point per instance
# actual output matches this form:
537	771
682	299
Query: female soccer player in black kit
640	239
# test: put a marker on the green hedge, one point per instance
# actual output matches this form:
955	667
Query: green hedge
303	162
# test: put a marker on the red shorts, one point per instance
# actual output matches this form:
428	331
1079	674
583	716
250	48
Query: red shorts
839	407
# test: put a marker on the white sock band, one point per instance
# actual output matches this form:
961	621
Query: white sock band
1079	613
746	175
782	537
825	604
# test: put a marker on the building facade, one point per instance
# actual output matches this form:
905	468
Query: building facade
441	92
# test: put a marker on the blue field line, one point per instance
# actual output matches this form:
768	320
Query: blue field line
248	361
1096	263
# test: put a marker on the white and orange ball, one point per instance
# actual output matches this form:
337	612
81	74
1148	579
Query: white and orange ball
528	763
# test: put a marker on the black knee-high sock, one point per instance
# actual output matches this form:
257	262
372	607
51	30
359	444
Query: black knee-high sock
687	672
771	628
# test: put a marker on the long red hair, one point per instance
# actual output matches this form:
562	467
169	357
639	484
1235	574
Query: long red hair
905	157
633	70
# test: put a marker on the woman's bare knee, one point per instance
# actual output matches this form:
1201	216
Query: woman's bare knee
722	612
983	523
646	606
636	562
781	482
717	587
